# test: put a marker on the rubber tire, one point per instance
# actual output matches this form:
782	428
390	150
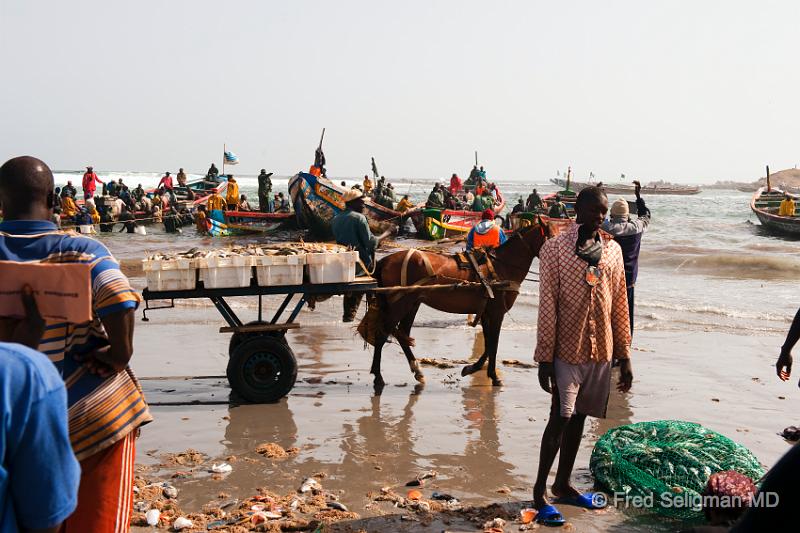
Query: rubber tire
262	355
239	338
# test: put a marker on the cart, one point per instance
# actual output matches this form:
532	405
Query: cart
261	367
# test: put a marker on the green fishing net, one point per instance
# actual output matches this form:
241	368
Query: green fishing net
663	466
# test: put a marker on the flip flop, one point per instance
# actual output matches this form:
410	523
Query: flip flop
589	500
549	516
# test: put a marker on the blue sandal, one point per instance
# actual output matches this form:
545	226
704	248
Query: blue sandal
589	500
549	516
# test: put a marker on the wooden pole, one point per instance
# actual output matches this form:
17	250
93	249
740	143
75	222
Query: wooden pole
569	174
476	158
223	158
769	187
321	137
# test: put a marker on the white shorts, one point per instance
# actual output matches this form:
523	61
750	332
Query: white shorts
583	388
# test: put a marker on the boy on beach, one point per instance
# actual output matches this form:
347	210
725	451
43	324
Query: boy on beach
583	326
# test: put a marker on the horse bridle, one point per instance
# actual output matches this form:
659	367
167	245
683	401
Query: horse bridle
517	235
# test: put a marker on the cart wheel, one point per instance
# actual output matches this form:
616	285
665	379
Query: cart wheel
262	369
239	338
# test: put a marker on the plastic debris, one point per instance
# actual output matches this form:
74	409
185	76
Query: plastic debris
527	515
182	523
414	483
443	496
152	516
309	485
222	468
338	506
414	494
169	491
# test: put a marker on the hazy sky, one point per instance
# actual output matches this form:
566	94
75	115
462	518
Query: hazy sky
686	91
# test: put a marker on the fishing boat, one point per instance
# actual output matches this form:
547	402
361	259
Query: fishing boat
434	224
766	203
316	200
623	188
258	222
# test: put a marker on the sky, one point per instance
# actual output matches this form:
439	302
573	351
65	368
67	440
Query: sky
687	91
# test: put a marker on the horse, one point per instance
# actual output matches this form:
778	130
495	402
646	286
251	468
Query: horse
394	311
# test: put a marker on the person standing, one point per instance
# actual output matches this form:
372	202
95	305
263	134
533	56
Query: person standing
90	180
367	185
105	403
350	228
181	178
534	202
486	234
265	204
216	205
582	327
166	182
628	234
212	173
232	193
455	184
558	209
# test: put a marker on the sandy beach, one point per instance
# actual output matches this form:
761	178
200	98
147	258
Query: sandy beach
483	442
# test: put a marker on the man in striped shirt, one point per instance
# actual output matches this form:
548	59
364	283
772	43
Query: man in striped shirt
105	402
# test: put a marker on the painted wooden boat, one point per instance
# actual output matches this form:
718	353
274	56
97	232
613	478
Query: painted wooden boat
317	200
766	204
258	222
628	189
435	224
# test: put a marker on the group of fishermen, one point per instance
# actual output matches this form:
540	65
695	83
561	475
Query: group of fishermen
475	194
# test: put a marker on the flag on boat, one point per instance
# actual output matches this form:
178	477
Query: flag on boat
231	158
374	168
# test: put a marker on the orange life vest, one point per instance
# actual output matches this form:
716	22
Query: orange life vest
490	239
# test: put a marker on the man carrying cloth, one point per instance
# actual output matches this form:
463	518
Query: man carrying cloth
105	402
583	325
89	180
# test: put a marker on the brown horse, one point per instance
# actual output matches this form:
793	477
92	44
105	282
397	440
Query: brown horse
397	310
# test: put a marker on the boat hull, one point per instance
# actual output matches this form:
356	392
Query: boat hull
765	205
317	200
629	189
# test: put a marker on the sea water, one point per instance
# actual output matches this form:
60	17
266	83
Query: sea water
706	264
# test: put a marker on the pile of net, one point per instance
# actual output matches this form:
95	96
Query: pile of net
666	464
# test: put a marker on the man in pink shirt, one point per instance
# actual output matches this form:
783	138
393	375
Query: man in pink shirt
583	327
89	180
166	181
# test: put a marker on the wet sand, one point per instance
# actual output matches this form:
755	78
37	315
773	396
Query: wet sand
482	441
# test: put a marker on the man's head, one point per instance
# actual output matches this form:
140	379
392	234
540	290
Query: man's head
405	197
481	167
534	190
69	183
520	201
487	214
354	200
620	208
244	198
26	189
263	171
89	168
591	207
166	173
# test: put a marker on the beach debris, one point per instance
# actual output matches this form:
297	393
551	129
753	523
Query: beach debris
495	525
222	468
275	451
309	485
152	516
527	515
414	494
430	474
338	506
444	497
182	523
442	363
169	491
190	457
792	433
503	490
414	483
517	363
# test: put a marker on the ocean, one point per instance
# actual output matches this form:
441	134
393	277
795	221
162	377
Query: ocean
706	263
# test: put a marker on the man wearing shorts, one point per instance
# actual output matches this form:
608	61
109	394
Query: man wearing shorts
583	326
